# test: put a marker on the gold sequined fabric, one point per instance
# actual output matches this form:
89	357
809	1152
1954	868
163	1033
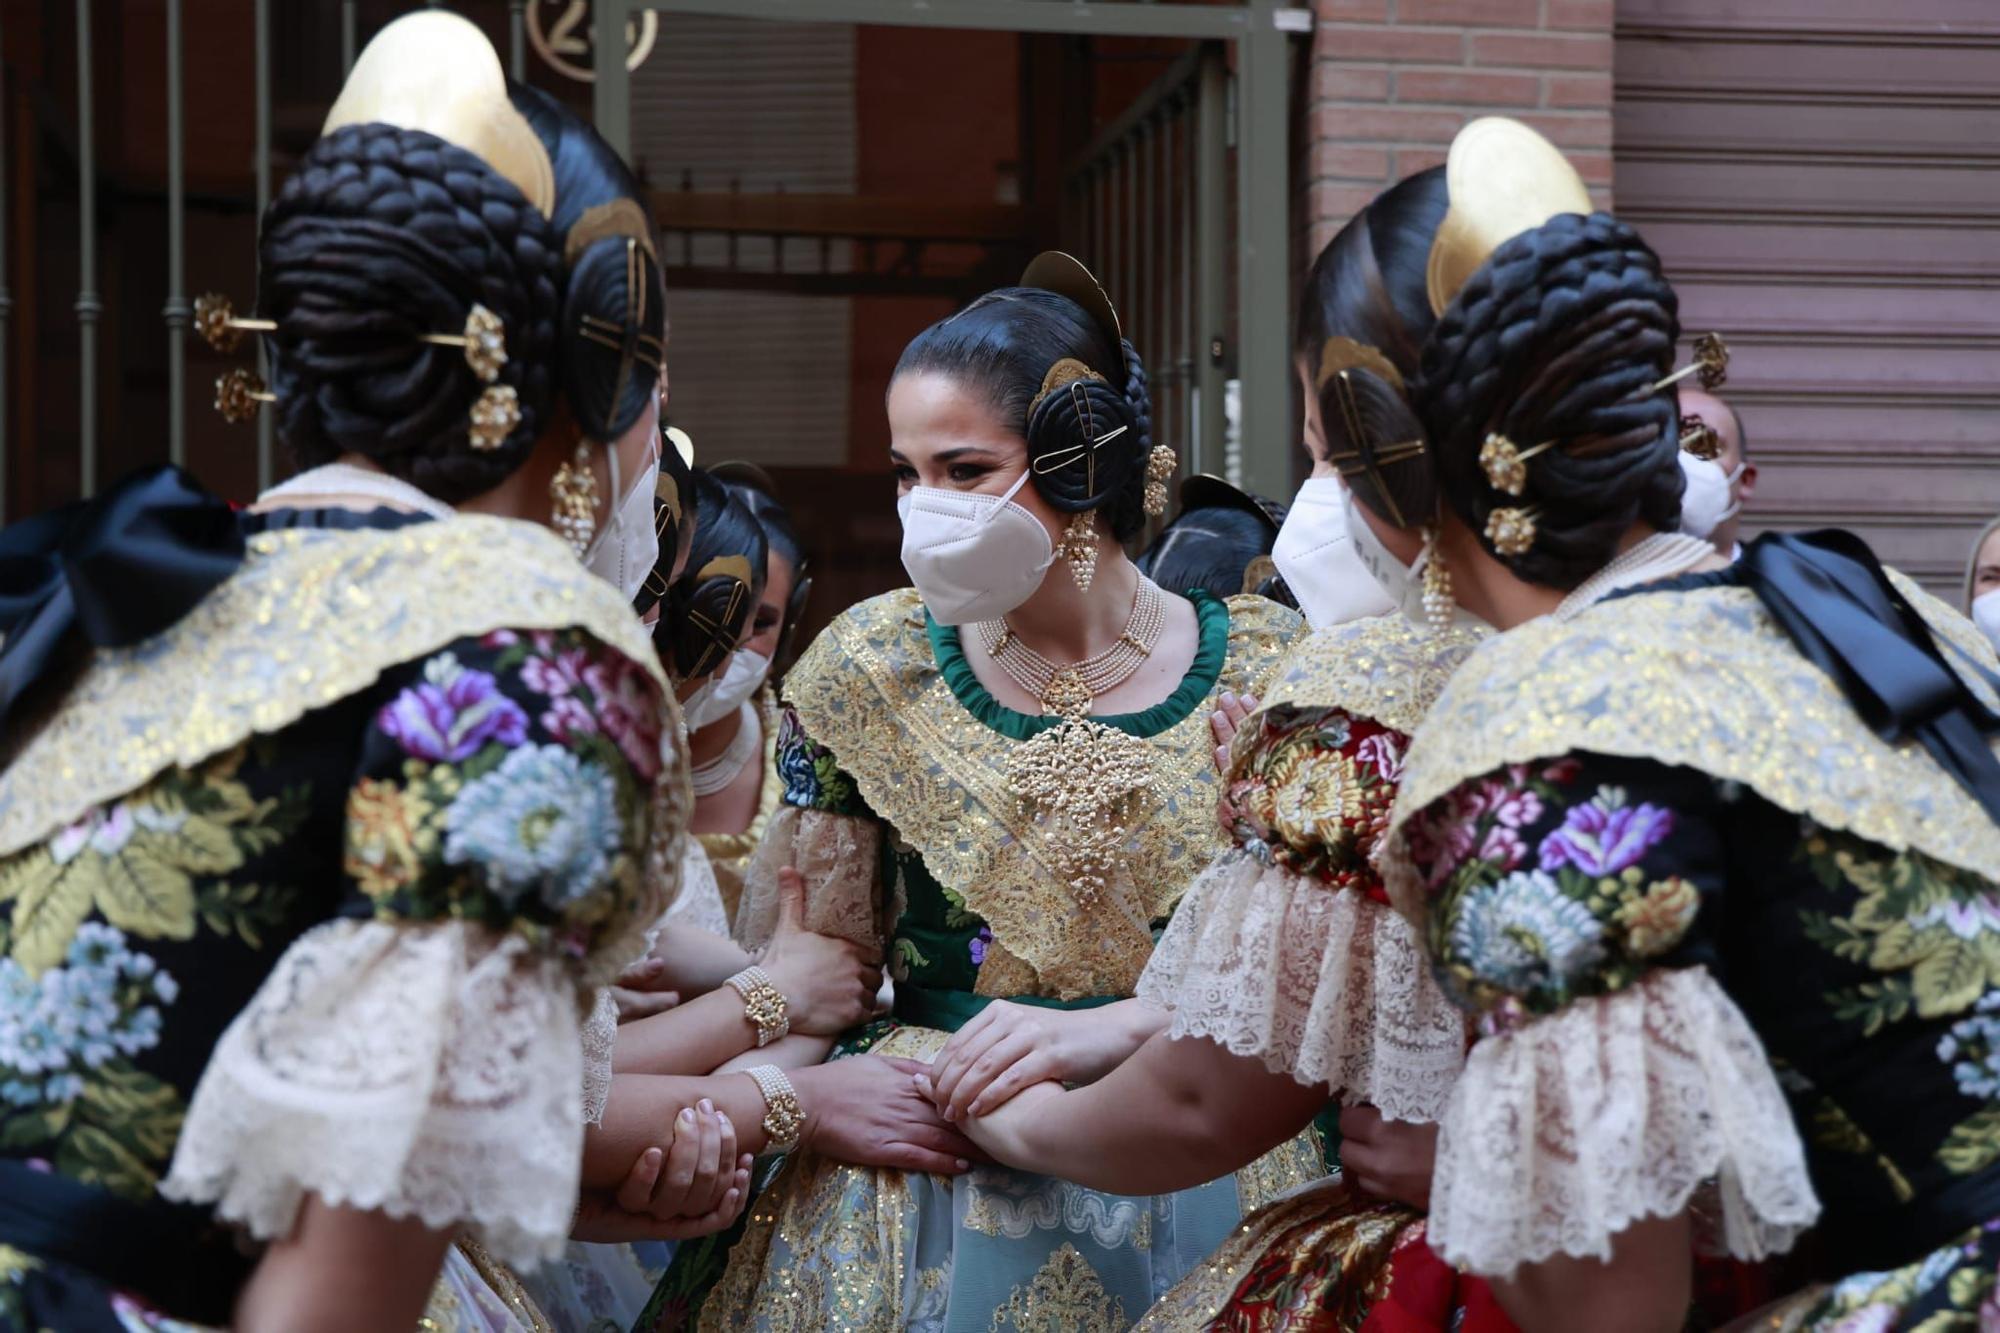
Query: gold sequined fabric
1702	678
1381	667
870	690
315	615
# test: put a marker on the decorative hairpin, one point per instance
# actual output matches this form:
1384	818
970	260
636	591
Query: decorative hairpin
237	393
1159	468
1371	459
494	417
215	320
1065	372
1512	531
1700	438
1506	463
1711	362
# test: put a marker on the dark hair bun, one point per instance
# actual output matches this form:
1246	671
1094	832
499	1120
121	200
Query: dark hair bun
1558	338
1004	344
708	607
384	235
614	297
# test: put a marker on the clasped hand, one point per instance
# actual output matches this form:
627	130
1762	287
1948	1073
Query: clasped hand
696	1187
1009	1047
831	984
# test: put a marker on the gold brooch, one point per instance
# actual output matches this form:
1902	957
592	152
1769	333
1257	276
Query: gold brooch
1511	531
494	417
1506	463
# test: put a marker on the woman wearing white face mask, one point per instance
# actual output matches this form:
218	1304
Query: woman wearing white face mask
1004	770
1982	582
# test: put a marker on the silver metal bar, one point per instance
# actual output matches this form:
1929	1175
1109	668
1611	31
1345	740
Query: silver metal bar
347	34
266	425
517	39
88	304
1211	248
1119	18
611	100
1263	288
177	310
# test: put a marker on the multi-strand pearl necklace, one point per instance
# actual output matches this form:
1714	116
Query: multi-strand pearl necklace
1659	556
1069	689
723	770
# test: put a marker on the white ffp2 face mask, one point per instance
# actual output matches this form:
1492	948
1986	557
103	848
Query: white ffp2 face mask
1316	554
972	557
1986	615
728	689
625	549
1708	501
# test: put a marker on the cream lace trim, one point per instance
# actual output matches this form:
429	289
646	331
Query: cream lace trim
428	1071
837	856
1568	1130
600	1040
700	901
1323	984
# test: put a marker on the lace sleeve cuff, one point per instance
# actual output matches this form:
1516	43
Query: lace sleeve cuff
700	901
837	857
430	1071
1569	1129
1323	984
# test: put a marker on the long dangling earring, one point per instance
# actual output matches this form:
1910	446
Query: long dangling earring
573	501
1438	604
1160	466
1079	547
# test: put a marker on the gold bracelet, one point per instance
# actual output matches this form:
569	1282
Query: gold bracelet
763	1004
784	1118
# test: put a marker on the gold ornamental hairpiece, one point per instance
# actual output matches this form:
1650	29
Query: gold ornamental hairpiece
1503	179
484	341
216	321
1699	438
1338	354
1512	531
1711	362
683	444
1366	457
1061	375
494	417
1506	463
237	394
1065	275
435	71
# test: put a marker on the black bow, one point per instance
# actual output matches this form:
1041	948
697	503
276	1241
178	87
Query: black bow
1844	615
118	569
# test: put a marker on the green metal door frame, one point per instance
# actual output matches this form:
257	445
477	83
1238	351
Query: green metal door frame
1259	28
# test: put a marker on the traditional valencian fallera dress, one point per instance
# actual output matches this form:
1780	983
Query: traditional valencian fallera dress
1286	950
897	769
1716	928
306	889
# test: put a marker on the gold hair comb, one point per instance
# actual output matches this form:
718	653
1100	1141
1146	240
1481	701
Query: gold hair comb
1711	362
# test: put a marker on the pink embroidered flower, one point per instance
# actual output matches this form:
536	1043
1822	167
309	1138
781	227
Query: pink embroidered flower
1384	750
628	711
1516	809
1503	847
555	675
567	718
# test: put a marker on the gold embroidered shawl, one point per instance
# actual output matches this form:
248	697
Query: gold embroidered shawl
313	616
870	690
1707	680
1381	667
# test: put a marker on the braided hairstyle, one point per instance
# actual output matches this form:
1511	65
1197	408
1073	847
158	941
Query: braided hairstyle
1558	337
706	610
1003	345
384	235
1368	287
614	309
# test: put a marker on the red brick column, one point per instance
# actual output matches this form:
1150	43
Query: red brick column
1392	80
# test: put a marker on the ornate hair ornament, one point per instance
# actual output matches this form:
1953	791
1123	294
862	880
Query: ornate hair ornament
1338	354
1699	438
1366	457
1511	531
630	342
1506	463
1065	275
1070	375
237	393
436	72
1503	179
1711	362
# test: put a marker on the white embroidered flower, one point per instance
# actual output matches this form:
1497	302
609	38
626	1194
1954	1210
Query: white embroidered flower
1524	932
543	822
1972	1049
73	1018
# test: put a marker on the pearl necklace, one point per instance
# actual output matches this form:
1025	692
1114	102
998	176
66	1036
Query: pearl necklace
1069	689
718	773
1659	556
350	481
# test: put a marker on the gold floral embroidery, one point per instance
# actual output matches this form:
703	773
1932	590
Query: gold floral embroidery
1655	921
1702	679
1382	668
1066	1296
389	834
869	689
1295	1162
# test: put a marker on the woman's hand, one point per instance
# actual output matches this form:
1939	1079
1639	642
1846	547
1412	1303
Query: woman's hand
830	983
1004	1134
697	1187
867	1110
1390	1159
643	990
1230	712
1008	1047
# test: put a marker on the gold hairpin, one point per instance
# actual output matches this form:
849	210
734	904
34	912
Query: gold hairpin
1512	531
237	393
1350	462
494	417
1506	463
1711	362
215	320
484	341
1700	438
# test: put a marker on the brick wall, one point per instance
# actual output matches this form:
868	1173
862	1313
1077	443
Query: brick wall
1391	81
